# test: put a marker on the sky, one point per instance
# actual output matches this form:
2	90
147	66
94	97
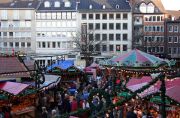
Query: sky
171	4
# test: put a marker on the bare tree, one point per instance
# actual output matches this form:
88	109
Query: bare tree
87	44
148	41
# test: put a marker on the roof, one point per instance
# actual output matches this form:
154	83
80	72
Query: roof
157	3
110	5
172	86
13	87
174	13
12	67
13	4
62	5
62	65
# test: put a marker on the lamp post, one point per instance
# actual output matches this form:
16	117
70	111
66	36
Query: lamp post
163	94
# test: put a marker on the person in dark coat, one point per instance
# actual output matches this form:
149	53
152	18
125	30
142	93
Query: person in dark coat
130	113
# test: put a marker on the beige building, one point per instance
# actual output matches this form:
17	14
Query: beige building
17	31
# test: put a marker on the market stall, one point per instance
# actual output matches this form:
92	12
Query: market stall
18	97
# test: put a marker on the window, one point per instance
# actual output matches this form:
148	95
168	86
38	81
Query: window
90	26
124	47
53	44
73	15
111	47
28	44
150	8
5	44
104	7
170	39
104	48
28	14
56	4
97	47
63	15
97	16
5	34
48	15
111	16
4	14
91	38
104	26
118	26
90	6
125	36
58	44
175	50
118	16
22	44
11	34
111	37
91	16
16	44
104	17
175	28
97	26
104	37
43	44
83	16
16	14
11	44
68	15
111	26
158	18
58	15
97	37
125	16
118	48
117	6
161	49
67	4
46	4
170	28
142	8
118	37
175	39
125	26
154	18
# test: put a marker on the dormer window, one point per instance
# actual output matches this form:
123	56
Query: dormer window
117	6
46	4
142	8
150	8
90	6
104	7
56	4
67	4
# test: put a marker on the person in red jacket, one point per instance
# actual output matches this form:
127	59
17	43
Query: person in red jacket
74	105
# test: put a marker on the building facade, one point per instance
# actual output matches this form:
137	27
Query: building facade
108	24
172	34
17	31
148	26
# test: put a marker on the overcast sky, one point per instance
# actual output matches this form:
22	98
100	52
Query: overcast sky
171	4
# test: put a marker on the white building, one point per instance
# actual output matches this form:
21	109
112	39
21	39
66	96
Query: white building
56	25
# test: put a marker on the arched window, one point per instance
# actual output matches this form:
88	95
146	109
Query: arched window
56	4
150	8
90	6
46	4
142	8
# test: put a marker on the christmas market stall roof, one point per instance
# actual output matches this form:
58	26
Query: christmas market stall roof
12	67
50	81
13	87
137	58
172	86
61	65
